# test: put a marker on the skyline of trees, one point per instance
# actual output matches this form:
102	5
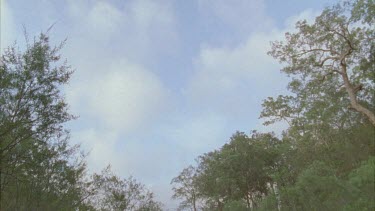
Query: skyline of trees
324	160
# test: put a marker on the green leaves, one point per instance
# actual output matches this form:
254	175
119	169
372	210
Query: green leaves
327	54
33	144
114	193
238	172
185	187
362	180
325	159
39	170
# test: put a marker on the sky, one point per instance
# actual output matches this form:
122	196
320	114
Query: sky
159	82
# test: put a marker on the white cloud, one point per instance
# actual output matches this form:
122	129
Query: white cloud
138	29
232	80
116	93
107	43
308	15
100	145
241	15
145	13
115	105
104	18
123	98
153	31
198	133
7	28
98	22
113	94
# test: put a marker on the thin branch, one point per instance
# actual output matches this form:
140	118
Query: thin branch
312	50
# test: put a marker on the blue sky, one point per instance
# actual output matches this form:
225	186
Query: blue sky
159	82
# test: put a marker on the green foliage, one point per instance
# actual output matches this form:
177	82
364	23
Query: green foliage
331	62
362	180
268	203
317	188
35	173
325	159
239	171
235	206
44	179
39	169
114	193
185	188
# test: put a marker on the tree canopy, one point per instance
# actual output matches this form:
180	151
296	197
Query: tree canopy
324	160
332	58
39	168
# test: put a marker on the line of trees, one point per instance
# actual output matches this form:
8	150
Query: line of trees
325	159
39	169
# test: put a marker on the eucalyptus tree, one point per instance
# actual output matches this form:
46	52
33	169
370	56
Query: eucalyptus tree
331	62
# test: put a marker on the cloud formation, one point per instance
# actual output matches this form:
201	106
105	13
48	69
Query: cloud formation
123	99
230	79
127	53
7	31
242	15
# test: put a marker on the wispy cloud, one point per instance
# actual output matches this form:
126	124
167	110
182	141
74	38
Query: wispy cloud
123	53
7	31
113	91
123	98
230	80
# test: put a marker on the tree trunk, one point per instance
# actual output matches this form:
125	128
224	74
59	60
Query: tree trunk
353	97
194	204
248	201
277	195
253	203
219	205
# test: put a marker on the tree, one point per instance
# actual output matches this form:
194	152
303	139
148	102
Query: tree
317	188
185	187
43	179
362	180
114	193
209	181
32	109
39	169
320	57
325	159
336	52
235	206
240	172
249	162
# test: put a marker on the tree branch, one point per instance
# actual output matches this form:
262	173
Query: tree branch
352	91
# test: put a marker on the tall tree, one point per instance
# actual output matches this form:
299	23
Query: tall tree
39	169
250	161
240	171
335	53
213	188
32	109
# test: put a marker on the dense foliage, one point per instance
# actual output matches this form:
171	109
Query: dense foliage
325	159
39	169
